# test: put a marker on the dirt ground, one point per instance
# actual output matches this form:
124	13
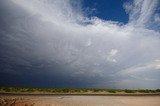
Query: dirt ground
81	100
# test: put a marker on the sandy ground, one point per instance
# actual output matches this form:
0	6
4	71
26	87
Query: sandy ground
73	100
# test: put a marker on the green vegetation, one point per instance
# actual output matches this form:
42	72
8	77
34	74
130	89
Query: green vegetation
130	91
112	91
67	90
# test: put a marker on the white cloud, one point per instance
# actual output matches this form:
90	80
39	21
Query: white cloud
89	42
111	55
152	66
141	12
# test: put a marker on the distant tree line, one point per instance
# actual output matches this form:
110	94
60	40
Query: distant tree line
73	90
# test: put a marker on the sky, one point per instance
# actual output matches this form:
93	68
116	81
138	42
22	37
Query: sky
113	44
106	10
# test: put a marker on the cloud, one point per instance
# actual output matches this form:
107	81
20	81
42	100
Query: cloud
57	40
153	66
146	72
142	12
111	55
157	18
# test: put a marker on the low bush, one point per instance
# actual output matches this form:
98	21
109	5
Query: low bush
129	91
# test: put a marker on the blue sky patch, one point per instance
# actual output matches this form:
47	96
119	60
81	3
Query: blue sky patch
106	9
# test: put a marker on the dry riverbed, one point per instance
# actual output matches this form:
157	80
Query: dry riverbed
78	100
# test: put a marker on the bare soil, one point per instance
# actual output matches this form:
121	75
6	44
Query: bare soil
78	100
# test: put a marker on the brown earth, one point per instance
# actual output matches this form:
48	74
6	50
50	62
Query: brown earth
78	100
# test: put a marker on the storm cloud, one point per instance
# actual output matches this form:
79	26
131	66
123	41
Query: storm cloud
52	43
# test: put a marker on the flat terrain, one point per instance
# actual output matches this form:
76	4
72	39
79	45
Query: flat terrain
79	100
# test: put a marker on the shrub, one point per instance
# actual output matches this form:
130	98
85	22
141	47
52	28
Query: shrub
111	91
95	90
157	90
129	91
